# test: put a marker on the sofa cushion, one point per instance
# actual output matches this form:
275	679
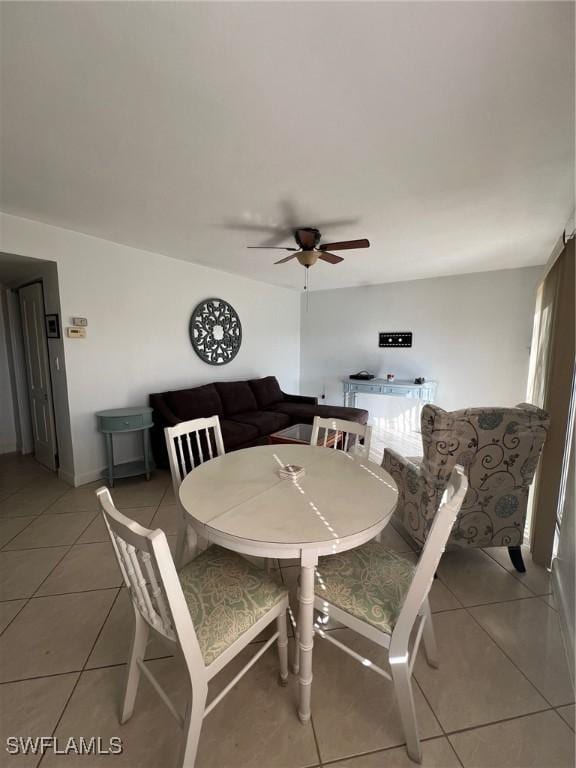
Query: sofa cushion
195	403
302	413
267	391
265	422
235	434
236	396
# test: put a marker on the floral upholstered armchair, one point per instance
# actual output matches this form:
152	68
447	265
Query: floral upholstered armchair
499	449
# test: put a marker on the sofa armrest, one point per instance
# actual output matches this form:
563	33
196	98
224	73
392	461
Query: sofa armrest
304	399
163	416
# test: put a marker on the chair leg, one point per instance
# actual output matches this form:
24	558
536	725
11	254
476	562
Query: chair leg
137	653
516	557
181	542
193	725
296	655
282	647
429	637
404	696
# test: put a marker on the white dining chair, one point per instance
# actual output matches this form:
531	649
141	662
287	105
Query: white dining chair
186	610
190	444
384	597
348	436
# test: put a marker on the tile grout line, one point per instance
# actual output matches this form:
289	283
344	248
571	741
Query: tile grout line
65	554
83	669
436	717
423	740
498	602
514	575
445	734
317	743
490	723
524	675
80	674
65	707
2	548
29	598
573	726
27	484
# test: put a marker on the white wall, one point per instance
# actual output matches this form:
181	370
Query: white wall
138	306
8	435
471	334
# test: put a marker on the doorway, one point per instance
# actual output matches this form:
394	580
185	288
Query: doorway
39	384
35	413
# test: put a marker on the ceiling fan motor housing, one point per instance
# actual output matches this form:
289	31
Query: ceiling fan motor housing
307	238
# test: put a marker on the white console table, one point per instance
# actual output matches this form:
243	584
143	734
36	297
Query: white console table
352	387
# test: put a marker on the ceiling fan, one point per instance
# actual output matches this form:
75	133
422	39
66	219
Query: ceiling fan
310	249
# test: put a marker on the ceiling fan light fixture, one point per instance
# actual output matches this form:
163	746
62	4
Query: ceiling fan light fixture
307	258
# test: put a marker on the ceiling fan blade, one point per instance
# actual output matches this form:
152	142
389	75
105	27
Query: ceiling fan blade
336	223
344	245
273	247
331	258
286	258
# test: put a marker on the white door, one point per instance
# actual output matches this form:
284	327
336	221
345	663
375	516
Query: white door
38	374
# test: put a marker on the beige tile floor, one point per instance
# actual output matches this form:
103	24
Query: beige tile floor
501	698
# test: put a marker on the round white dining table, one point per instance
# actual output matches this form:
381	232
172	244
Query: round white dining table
240	502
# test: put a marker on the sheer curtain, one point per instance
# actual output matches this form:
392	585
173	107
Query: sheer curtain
549	386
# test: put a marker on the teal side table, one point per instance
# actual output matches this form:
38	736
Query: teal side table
119	421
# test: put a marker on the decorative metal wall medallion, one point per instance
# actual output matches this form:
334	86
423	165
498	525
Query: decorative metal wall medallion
215	331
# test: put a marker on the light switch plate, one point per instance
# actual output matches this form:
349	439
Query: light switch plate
80	321
76	333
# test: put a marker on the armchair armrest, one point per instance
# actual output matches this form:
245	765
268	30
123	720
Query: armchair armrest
303	399
412	491
407	476
395	462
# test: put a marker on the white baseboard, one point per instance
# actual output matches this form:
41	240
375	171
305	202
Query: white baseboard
68	477
82	478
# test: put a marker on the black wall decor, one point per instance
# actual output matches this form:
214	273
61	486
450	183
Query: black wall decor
395	339
215	331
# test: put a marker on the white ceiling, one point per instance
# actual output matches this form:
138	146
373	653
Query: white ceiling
446	130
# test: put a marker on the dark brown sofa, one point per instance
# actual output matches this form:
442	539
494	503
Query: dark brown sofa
249	411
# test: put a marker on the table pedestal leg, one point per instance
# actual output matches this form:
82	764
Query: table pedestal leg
306	633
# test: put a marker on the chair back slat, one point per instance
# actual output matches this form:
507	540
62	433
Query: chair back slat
190	444
430	558
150	576
347	436
157	593
199	446
186	451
